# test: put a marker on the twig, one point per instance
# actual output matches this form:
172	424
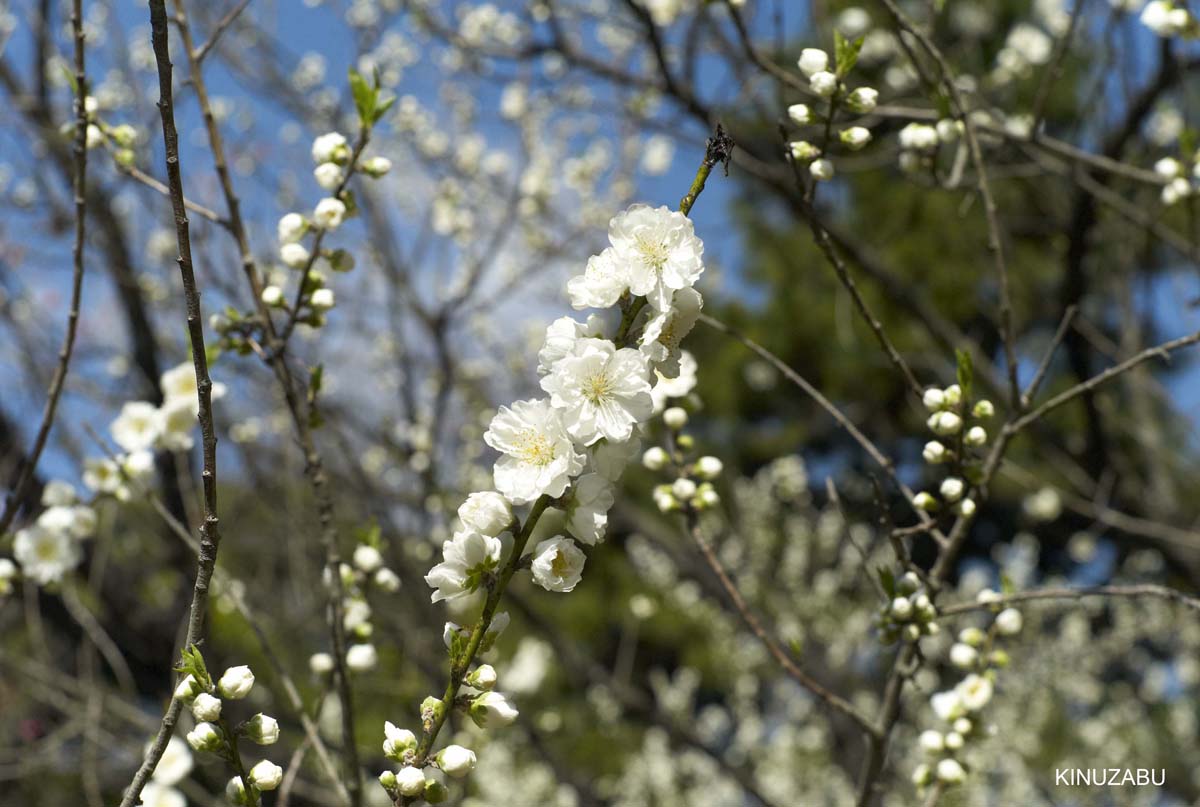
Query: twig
210	535
220	28
832	699
133	172
1141	590
25	474
1044	366
995	243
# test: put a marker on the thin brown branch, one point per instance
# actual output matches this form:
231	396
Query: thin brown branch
210	535
197	55
1129	591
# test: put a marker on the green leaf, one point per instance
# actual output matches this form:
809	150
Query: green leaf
845	53
795	646
1007	586
888	580
365	97
382	106
966	374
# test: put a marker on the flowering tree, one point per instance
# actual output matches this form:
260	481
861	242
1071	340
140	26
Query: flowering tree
857	475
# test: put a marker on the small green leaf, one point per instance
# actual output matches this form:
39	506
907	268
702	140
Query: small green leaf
383	106
1007	586
845	53
966	373
364	96
795	645
888	580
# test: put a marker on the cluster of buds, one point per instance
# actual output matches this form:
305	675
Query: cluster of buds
1181	179
956	424
366	572
958	709
829	85
118	139
214	734
919	143
1169	18
693	485
909	613
486	707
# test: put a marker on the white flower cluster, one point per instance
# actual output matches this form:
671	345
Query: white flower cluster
212	733
51	546
958	709
1181	179
909	614
919	142
825	80
957	437
1168	18
118	139
565	451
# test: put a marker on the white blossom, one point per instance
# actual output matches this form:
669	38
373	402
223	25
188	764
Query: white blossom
175	764
137	427
679	387
604	280
486	512
492	708
236	682
367	558
262	729
558	564
466	558
293	255
266	775
291	228
328	175
205	707
204	737
539	456
179	384
361	657
329	213
974	691
45	555
561	336
663	333
330	147
456	761
158	794
601	390
587	511
410	781
813	60
659	250
397	741
1009	622
823	83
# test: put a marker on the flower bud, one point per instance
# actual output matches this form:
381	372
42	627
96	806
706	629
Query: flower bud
922	775
934	399
236	682
908	583
187	689
367	558
803	151
361	657
983	410
800	114
972	636
966	508
963	726
262	729
975	436
387	580
822	170
484	677
963	656
705	498
683	489
676	418
935	453
901	608
856	137
952	489
950	771
266	775
204	737
986	596
322	299
912	632
328	175
272	296
931	741
944	423
925	501
685	442
410	781
492	708
375	167
708	468
320	663
954	741
824	83
953	395
291	228
1009	622
397	741
999	658
235	791
456	761
862	100
655	458
435	792
388	780
294	256
813	60
206	708
432	708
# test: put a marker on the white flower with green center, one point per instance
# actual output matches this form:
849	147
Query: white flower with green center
658	249
539	456
177	421
665	330
466	558
602	283
666	389
602	391
974	691
587	512
45	555
179	384
558	564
